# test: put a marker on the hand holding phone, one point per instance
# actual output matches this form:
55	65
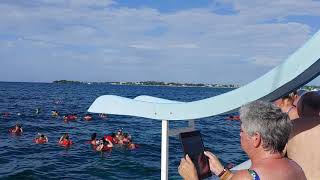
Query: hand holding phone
192	145
215	165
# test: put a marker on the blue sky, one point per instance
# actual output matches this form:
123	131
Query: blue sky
203	41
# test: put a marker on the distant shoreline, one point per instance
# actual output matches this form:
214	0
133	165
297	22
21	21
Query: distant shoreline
169	84
161	84
152	83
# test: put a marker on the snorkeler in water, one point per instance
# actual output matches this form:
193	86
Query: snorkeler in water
70	117
104	145
54	113
65	140
17	130
87	117
5	114
102	115
37	110
94	140
41	139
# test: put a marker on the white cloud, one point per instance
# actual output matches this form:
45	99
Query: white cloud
185	46
143	46
273	9
77	3
145	38
265	61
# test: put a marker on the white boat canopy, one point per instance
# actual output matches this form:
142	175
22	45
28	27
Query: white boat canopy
300	68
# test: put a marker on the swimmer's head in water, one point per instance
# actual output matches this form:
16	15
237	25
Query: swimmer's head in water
120	131
100	142
93	136
113	135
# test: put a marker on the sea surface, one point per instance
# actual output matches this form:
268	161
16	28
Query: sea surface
21	158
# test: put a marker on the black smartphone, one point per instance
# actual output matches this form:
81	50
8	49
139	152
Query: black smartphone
192	145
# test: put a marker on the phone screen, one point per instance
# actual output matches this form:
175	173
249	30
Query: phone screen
193	146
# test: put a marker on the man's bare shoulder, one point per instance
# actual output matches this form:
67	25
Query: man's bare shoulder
304	124
241	175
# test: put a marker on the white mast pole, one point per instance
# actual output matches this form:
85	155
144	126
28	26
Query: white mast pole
164	150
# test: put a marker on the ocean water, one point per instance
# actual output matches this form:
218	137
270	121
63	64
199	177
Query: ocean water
21	158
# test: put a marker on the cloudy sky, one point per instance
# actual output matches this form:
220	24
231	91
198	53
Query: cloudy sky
207	41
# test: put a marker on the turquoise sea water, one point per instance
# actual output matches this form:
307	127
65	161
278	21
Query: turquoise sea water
20	158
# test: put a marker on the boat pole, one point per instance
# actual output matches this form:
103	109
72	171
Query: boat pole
164	150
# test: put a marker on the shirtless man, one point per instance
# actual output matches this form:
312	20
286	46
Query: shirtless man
303	146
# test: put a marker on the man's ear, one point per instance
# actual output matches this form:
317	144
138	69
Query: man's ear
256	140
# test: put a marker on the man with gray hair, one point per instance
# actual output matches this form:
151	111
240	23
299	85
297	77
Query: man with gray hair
303	147
265	130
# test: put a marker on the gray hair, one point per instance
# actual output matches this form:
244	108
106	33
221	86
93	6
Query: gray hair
269	121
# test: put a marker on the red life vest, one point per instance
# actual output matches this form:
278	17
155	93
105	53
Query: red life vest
14	131
40	141
65	142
